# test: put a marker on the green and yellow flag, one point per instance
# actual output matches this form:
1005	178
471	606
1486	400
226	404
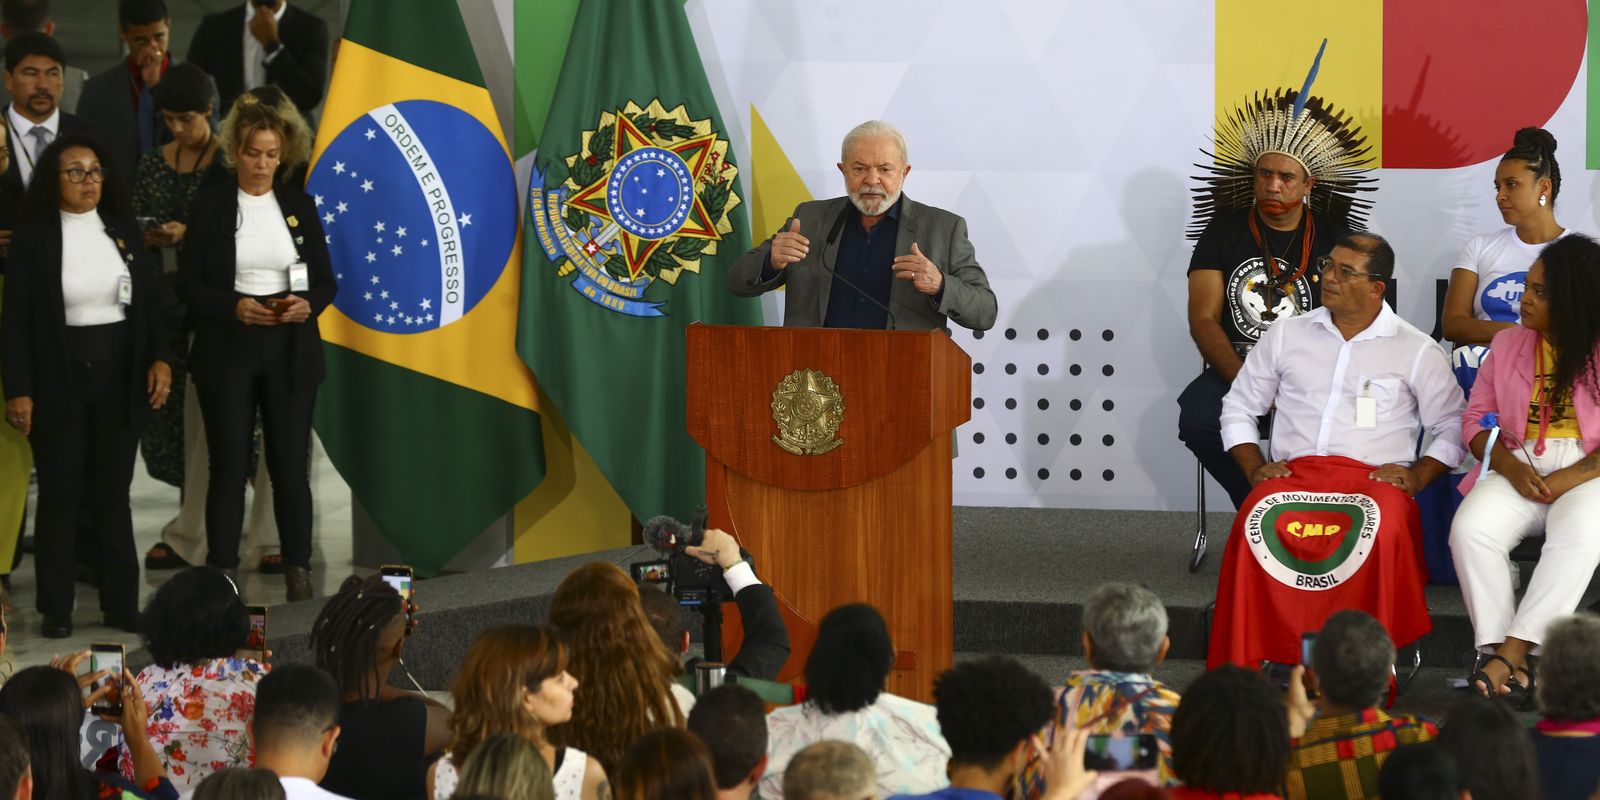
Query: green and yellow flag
635	214
427	411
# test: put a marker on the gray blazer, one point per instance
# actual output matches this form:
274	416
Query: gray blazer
939	234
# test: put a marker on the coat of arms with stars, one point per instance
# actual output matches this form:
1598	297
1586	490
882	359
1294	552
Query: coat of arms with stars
647	196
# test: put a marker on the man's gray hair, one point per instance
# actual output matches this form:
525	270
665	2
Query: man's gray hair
1569	669
1126	622
872	129
1354	659
829	770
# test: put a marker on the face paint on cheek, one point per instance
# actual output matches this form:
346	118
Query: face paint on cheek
1275	206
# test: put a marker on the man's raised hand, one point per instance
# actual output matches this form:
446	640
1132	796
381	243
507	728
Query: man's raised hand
789	246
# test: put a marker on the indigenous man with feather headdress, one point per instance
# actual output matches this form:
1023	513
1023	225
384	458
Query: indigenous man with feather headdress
1281	189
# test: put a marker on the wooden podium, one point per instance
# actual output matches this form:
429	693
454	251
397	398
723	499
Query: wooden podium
864	520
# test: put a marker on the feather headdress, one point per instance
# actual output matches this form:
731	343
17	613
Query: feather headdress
1310	130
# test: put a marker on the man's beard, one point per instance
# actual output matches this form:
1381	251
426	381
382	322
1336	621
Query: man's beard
874	203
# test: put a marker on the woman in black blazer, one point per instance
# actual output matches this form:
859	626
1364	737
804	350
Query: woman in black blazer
255	274
85	360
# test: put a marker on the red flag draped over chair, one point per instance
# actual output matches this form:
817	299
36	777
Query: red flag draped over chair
1324	539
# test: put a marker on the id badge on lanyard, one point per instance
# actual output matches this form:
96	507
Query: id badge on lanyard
299	277
1366	407
125	289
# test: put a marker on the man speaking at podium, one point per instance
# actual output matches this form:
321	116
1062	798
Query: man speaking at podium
872	259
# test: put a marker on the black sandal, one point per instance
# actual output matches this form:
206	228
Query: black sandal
1529	690
160	556
1492	691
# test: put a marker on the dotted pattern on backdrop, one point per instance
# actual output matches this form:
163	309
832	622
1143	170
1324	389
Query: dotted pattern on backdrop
1085	235
1085	459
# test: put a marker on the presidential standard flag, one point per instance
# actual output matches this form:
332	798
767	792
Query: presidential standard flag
634	216
427	411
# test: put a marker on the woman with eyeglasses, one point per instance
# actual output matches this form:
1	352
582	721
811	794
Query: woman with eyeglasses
85	361
255	274
1490	275
1534	417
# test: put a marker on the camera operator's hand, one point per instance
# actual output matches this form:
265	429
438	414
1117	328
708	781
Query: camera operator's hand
717	548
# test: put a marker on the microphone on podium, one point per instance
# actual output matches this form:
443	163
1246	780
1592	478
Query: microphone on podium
833	235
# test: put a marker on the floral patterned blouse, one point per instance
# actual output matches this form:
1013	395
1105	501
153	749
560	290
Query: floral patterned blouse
197	718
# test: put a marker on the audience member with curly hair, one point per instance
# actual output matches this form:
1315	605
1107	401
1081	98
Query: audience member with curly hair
666	764
845	676
991	711
515	679
201	689
390	736
1566	740
627	674
1230	737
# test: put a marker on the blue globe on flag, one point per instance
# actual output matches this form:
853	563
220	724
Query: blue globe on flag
419	203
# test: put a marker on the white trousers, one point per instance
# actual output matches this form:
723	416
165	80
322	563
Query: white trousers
1494	518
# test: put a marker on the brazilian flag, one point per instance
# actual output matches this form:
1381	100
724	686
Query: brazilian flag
427	411
635	213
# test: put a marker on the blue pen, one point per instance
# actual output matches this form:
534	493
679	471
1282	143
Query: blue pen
1491	423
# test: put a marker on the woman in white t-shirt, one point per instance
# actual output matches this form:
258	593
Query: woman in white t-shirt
1487	282
514	679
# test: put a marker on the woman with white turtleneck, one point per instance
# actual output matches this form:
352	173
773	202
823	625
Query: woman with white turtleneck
85	361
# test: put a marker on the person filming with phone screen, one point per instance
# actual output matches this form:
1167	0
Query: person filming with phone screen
48	703
255	275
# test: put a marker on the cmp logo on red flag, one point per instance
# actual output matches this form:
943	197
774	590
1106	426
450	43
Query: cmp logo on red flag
1312	540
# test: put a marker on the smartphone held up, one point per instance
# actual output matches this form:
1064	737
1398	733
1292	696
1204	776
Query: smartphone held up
109	658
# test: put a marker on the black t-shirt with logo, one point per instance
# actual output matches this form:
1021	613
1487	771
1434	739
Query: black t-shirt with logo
1227	246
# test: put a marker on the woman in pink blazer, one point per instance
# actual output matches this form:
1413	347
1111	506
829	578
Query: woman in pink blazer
1542	386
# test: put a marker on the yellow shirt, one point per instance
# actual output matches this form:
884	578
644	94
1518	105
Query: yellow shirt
1563	423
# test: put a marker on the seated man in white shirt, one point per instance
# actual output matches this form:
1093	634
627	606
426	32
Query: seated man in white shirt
295	726
1329	523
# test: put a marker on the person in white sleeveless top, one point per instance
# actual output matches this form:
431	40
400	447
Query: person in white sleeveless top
514	680
1491	273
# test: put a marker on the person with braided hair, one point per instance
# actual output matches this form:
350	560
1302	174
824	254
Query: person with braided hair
1541	393
1490	276
390	735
